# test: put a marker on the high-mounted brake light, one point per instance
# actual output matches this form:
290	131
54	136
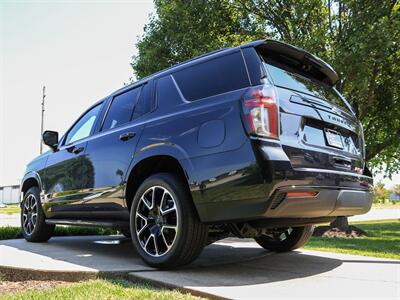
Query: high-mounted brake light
261	111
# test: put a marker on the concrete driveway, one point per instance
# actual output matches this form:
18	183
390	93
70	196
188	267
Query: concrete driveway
231	269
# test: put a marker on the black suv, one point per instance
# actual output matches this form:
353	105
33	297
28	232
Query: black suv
251	141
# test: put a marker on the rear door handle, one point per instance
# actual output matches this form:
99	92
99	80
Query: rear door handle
126	136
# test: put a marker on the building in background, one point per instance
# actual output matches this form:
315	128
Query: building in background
9	194
394	197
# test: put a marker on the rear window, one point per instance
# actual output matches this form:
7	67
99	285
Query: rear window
294	81
121	109
216	76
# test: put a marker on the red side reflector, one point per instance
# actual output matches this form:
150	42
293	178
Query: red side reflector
300	194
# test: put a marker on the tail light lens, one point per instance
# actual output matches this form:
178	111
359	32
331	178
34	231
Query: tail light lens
261	111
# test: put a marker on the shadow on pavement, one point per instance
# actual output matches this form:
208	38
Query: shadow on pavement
259	270
222	264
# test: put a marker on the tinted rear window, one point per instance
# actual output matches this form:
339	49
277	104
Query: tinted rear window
217	76
294	81
121	109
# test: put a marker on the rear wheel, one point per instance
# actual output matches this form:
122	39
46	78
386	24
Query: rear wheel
33	224
166	230
286	239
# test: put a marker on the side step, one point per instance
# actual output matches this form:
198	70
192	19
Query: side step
96	223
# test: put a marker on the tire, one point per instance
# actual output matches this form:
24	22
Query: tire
178	235
294	238
33	225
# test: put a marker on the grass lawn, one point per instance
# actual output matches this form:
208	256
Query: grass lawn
102	289
10	209
383	240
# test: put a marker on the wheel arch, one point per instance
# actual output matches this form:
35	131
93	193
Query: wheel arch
30	180
151	164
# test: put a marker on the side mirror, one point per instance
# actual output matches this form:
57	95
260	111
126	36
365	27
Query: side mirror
50	138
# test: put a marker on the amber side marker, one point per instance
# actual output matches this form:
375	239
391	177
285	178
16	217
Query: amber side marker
301	194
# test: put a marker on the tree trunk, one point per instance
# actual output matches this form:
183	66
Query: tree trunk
341	222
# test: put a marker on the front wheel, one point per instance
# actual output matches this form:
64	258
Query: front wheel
286	239
33	224
166	230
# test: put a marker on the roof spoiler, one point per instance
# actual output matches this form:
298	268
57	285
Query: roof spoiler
330	76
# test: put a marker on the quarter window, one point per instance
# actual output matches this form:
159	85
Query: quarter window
84	126
216	76
143	106
121	109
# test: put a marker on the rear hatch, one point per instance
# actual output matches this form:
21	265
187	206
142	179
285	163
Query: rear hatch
318	128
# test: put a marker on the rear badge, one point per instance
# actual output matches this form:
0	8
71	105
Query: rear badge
333	138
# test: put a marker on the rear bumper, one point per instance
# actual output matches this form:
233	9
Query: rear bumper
339	193
244	185
328	202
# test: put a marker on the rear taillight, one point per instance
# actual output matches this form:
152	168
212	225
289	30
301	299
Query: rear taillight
261	111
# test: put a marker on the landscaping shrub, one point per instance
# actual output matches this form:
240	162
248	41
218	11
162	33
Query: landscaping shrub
10	232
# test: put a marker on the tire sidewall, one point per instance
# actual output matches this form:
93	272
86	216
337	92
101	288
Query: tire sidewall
40	220
296	239
170	183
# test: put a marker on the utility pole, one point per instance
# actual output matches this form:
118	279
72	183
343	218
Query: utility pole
41	126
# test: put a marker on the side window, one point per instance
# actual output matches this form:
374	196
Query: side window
121	109
144	104
84	126
216	76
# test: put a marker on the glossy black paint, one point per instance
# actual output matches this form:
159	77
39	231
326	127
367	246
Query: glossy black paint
50	138
65	176
232	177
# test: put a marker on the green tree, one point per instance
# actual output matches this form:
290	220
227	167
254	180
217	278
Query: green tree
360	38
381	194
185	29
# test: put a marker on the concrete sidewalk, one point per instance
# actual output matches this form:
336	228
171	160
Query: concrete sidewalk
231	269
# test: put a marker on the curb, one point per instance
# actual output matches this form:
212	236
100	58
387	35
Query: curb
20	274
135	277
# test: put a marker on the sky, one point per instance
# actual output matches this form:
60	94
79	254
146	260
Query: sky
80	50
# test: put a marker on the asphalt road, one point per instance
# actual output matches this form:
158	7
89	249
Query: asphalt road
9	220
230	269
378	214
